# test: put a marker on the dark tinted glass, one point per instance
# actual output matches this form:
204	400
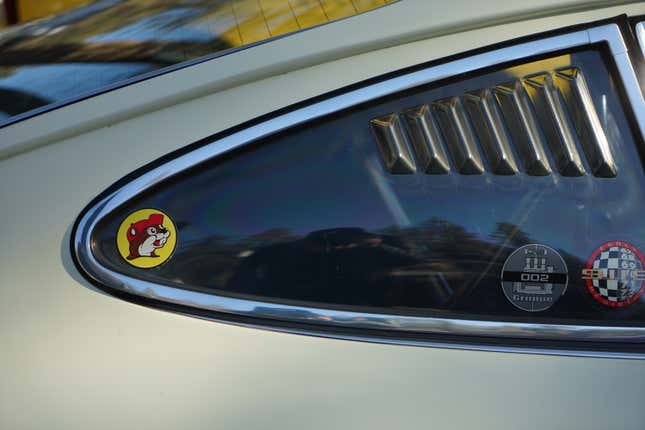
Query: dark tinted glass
314	216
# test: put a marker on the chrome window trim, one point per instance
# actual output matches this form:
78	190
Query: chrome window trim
640	35
563	352
609	33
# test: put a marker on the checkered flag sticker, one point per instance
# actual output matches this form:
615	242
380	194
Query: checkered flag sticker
617	290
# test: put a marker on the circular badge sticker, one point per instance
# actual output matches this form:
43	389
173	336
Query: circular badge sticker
146	238
534	277
615	275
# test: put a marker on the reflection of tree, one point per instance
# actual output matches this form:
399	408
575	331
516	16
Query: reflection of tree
68	41
106	31
435	264
152	33
105	16
223	24
268	237
15	102
160	53
509	234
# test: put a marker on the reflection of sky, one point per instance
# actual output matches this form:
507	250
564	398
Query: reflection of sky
314	188
282	191
40	27
165	26
61	81
319	178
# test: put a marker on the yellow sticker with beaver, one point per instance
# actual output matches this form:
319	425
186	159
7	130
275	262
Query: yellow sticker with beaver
146	238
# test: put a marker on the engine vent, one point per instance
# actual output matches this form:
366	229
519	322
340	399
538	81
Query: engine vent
538	125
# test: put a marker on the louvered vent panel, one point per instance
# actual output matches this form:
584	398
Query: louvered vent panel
513	126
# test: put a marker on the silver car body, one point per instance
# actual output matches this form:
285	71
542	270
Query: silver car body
72	357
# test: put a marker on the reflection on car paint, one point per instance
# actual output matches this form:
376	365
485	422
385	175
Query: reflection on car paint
106	42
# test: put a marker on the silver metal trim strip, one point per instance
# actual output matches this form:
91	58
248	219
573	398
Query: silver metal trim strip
640	35
446	345
340	318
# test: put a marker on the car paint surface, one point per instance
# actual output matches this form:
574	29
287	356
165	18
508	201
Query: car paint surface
72	357
105	42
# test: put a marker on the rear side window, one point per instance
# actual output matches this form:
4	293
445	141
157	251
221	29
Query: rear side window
457	203
93	48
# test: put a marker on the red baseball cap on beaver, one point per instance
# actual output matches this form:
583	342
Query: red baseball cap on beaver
135	228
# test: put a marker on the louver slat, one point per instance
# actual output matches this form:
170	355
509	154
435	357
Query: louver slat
459	136
516	111
555	124
392	144
427	140
492	133
575	92
515	125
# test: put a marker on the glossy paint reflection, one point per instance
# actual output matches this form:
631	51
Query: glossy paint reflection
94	47
312	216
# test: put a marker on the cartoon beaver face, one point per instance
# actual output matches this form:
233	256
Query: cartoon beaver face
147	235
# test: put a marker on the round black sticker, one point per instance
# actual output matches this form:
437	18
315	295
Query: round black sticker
534	277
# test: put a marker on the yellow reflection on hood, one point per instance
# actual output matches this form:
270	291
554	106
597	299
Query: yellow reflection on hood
240	22
256	20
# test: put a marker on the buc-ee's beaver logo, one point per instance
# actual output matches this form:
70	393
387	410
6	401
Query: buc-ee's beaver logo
146	238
